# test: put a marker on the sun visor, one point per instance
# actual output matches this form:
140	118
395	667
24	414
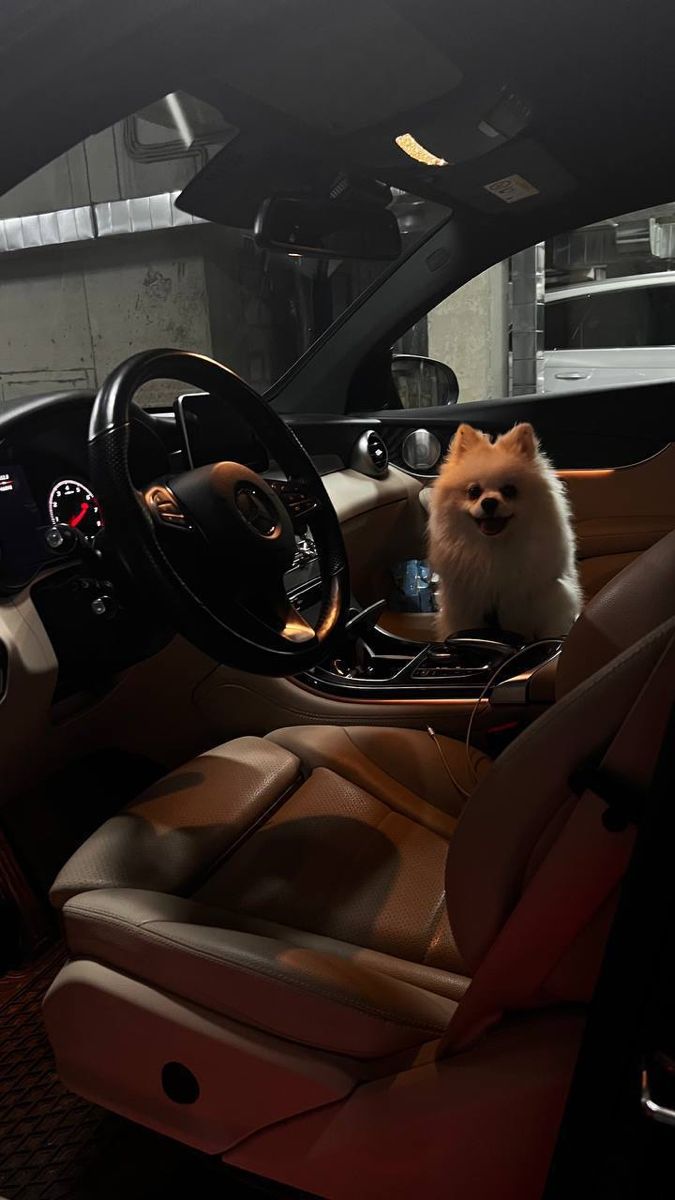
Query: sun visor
231	187
516	174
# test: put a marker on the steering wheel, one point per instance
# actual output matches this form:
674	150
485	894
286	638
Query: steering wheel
212	545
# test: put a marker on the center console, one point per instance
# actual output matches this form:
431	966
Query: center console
372	664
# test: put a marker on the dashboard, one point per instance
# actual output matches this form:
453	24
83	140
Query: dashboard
47	506
34	531
53	527
53	536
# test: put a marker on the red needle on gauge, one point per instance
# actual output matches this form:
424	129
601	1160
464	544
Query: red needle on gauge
75	521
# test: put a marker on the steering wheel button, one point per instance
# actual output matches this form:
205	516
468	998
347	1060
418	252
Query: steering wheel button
164	506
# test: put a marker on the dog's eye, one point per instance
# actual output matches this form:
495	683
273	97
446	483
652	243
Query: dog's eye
509	491
474	492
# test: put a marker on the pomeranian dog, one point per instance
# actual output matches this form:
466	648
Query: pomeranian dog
500	538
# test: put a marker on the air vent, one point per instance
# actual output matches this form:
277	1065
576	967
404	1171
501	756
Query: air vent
370	456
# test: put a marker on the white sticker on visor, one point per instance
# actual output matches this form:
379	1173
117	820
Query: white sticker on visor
511	189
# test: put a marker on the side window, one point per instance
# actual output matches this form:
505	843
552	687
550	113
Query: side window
460	350
573	313
563	324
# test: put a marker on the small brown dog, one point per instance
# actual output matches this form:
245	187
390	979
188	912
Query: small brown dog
500	537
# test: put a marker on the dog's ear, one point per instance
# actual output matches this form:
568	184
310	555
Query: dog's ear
465	437
521	439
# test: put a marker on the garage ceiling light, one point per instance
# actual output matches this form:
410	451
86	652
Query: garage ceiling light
410	146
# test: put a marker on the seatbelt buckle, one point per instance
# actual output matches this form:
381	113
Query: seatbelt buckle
622	799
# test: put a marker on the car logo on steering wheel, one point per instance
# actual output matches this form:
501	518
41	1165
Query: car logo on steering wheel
256	509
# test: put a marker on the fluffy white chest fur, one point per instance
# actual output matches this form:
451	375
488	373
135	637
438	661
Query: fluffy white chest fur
500	538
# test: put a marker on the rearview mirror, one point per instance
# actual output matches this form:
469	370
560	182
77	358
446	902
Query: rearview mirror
303	225
423	382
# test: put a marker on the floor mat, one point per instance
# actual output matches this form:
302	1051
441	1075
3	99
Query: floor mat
55	1146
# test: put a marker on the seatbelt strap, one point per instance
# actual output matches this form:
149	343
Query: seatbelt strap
578	874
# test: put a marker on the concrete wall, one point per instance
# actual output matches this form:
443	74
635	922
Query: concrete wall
469	332
68	314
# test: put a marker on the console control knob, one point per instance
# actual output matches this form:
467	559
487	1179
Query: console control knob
54	537
103	606
60	538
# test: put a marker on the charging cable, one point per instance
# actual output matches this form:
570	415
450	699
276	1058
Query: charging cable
509	663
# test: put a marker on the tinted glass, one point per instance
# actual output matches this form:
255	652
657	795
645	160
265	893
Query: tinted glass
628	318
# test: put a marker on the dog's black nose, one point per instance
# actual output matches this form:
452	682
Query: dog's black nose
489	505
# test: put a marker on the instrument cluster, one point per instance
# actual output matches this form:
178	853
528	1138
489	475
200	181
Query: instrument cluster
73	503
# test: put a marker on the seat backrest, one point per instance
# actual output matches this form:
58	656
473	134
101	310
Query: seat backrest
632	604
521	805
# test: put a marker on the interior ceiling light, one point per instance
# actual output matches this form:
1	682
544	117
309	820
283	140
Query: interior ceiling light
410	146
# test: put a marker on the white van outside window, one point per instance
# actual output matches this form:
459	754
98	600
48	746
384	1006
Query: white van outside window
610	331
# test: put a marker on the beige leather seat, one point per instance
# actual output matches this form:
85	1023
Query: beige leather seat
269	947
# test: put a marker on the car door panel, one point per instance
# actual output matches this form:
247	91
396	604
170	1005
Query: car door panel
580	370
620	512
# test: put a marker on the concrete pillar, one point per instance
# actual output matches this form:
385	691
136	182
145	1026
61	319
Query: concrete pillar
469	332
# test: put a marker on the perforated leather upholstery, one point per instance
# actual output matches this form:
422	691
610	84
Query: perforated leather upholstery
190	818
316	923
362	972
635	601
301	861
337	893
330	886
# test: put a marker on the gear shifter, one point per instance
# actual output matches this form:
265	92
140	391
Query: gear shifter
356	629
365	619
356	656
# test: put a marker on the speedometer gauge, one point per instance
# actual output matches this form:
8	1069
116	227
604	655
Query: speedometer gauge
73	503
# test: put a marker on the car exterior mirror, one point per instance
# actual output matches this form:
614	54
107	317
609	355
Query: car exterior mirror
422	382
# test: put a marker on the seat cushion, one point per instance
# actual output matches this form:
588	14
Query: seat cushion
422	778
308	994
297	887
177	829
337	861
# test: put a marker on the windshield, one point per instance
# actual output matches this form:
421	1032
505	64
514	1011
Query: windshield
97	261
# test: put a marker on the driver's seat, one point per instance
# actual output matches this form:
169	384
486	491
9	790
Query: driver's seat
271	949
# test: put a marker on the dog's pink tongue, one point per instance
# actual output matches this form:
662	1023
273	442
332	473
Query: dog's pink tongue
492	525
